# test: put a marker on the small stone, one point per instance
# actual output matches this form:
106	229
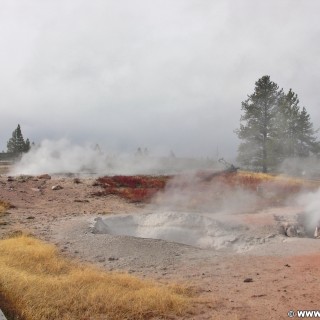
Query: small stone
248	280
113	259
57	187
10	179
76	180
30	217
44	177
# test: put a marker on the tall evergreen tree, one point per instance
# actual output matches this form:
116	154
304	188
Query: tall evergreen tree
287	125
296	136
16	143
307	141
257	126
274	128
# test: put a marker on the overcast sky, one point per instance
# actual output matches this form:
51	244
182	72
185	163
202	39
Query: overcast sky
159	74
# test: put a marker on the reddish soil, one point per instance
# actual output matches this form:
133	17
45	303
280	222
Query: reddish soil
284	272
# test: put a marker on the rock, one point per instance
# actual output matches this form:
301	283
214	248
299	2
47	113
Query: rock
24	178
100	227
57	187
113	259
44	177
294	230
35	189
76	180
248	280
31	217
317	232
10	179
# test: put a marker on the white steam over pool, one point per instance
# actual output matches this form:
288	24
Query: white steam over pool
186	228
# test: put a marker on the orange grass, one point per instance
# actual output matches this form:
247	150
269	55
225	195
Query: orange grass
40	284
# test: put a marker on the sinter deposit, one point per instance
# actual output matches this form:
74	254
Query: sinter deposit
186	228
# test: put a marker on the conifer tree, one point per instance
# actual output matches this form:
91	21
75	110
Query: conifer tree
296	136
274	128
16	143
307	141
287	124
257	128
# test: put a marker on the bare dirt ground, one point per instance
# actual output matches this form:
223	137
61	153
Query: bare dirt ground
262	274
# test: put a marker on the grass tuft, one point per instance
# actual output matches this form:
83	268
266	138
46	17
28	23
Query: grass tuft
40	284
4	206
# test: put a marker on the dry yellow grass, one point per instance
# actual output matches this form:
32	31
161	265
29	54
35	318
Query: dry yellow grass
4	206
43	285
258	175
4	168
266	177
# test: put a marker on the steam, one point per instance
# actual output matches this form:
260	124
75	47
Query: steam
193	193
304	167
61	157
187	228
311	205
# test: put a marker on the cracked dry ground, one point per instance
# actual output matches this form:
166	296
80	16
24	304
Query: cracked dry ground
284	272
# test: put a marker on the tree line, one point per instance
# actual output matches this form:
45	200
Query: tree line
274	127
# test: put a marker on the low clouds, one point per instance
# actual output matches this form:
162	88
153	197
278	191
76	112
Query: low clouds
162	74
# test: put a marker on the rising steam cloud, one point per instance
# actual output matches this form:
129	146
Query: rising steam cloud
311	204
61	157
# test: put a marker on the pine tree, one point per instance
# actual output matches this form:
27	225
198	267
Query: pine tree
296	136
274	128
27	145
307	142
287	124
257	128
16	143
